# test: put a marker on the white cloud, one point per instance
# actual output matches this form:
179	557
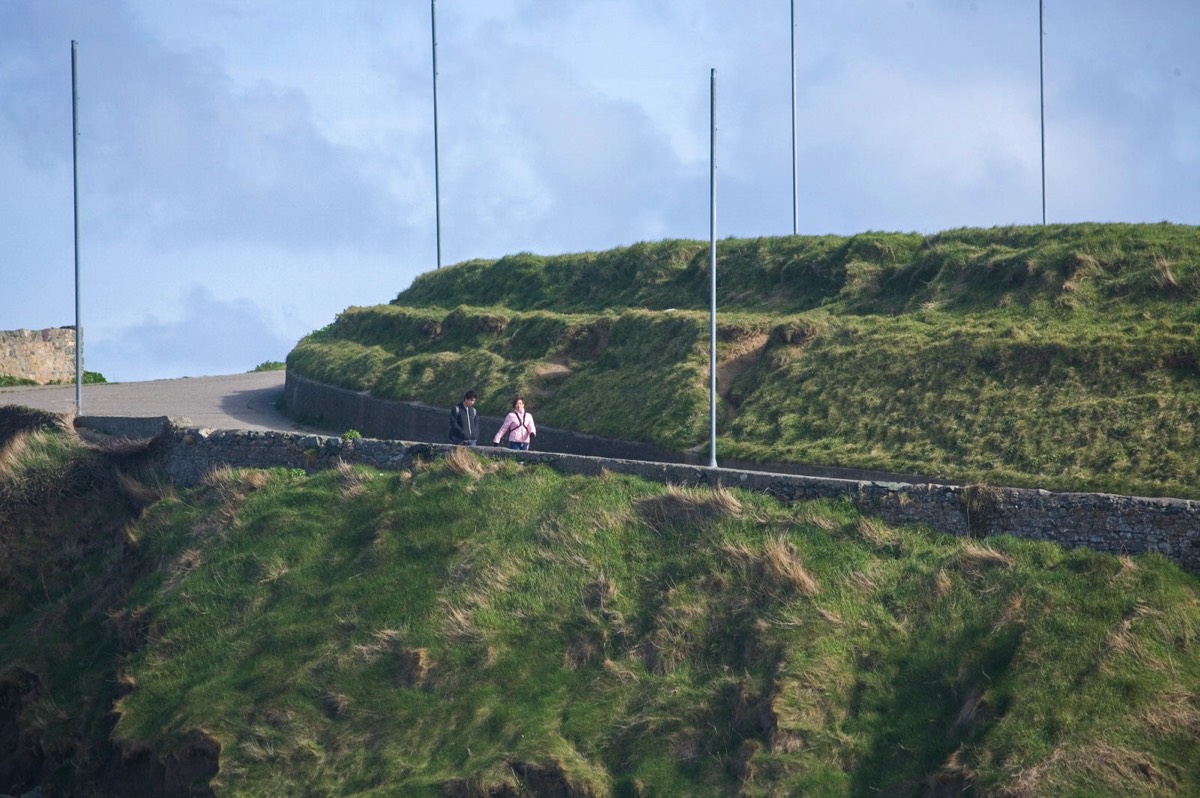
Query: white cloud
211	336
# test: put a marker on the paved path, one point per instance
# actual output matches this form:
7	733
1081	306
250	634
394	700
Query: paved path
236	401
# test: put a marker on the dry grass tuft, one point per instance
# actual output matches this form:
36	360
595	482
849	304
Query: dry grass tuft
189	561
1128	568
1124	641
599	592
1164	277
351	479
336	704
142	494
953	778
1116	770
1085	268
11	451
688	507
831	617
875	532
776	569
974	558
1176	712
233	484
414	667
459	627
17	421
863	582
1014	613
581	651
609	518
816	519
944	583
462	461
675	636
384	641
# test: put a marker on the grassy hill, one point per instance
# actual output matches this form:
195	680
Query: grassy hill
471	628
1065	357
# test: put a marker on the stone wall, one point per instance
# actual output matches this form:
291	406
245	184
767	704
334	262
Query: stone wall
39	355
1101	522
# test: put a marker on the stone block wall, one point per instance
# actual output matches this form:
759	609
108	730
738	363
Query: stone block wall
1101	522
39	355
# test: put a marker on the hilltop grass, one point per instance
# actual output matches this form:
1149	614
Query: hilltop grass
1065	357
476	627
871	273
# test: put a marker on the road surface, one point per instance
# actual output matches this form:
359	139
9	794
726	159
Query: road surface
235	401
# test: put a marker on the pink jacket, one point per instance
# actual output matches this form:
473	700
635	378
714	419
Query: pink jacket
521	429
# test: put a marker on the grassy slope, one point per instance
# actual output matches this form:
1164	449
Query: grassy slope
1062	357
465	629
65	568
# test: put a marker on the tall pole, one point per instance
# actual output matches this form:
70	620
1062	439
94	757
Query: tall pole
712	273
75	182
1042	96
795	208
437	191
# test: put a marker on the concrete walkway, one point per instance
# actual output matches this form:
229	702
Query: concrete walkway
235	401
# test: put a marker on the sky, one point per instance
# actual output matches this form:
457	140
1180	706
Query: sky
248	170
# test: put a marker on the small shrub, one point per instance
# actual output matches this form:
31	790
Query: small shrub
269	365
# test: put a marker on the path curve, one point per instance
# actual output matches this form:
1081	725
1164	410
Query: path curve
235	401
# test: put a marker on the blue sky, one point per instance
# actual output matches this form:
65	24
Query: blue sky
249	170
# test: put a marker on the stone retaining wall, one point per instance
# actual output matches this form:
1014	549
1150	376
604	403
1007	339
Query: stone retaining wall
1101	522
337	408
40	355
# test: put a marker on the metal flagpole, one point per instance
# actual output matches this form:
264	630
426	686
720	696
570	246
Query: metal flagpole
712	272
795	209
75	181
1042	96
437	192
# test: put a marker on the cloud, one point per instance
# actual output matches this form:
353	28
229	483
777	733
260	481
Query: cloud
537	158
173	151
212	336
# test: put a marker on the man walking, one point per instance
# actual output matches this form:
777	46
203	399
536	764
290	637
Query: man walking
464	425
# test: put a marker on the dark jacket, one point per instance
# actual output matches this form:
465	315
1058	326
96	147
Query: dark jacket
464	424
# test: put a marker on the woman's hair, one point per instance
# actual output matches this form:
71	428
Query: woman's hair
517	399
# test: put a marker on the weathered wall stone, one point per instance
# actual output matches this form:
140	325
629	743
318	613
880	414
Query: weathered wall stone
39	355
1101	522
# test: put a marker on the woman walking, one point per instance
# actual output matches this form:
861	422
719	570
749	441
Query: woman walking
519	427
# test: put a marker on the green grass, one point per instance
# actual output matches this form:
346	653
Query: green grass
471	627
269	365
89	378
1064	357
